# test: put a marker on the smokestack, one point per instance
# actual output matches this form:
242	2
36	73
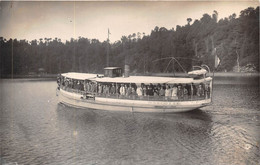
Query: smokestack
127	70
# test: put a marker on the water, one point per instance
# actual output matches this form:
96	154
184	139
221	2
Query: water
35	129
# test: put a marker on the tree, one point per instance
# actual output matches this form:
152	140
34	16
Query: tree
189	20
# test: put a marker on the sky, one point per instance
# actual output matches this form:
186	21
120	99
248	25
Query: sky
67	19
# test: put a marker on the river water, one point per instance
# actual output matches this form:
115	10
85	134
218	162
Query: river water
35	129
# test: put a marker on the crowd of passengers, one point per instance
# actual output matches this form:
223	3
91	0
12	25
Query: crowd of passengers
133	91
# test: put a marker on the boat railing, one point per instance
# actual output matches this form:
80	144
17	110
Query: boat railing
155	98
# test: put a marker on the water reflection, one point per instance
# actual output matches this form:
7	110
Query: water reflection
145	137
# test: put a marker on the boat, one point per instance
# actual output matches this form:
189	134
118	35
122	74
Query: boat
117	91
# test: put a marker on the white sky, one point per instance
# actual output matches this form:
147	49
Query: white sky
34	20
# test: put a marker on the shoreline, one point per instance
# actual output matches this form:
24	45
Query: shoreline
216	74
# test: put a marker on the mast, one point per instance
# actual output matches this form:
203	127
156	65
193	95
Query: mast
108	47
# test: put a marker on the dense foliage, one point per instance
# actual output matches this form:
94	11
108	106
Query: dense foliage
234	40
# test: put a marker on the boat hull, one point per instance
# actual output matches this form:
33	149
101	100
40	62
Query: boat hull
114	104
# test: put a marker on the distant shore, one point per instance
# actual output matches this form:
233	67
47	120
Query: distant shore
216	74
36	76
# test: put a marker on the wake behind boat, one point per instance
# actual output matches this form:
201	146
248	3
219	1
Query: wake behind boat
115	92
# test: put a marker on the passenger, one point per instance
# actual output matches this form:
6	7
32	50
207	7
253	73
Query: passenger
185	92
200	91
81	86
128	90
150	90
117	89
70	83
90	87
113	89
207	91
139	91
107	90
100	89
94	87
145	90
133	92
193	90
122	90
168	92
188	87
180	92
62	81
161	91
103	89
66	83
85	86
174	92
156	91
77	86
151	86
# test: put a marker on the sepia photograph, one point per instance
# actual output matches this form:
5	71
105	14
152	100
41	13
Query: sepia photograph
129	82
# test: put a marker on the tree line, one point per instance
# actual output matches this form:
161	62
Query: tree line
235	40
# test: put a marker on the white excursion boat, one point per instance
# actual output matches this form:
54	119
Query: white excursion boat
115	92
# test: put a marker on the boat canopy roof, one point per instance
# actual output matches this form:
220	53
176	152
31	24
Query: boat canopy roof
79	76
134	79
153	80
